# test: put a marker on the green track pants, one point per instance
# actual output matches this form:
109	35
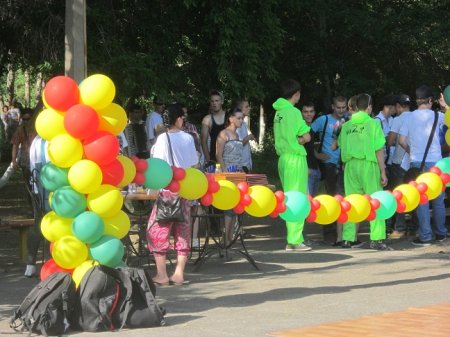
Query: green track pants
293	171
363	177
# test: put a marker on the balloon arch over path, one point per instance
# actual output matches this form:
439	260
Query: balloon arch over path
86	172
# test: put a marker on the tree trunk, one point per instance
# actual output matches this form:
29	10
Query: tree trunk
262	125
10	79
26	76
38	87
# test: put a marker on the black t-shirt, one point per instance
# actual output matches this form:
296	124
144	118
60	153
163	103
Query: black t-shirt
310	158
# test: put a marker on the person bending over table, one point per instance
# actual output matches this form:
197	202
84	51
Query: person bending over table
183	155
229	151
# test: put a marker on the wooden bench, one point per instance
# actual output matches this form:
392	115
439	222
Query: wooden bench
22	225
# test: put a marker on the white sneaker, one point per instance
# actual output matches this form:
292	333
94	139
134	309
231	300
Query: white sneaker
297	248
31	270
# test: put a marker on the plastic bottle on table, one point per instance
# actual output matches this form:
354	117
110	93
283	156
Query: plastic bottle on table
218	168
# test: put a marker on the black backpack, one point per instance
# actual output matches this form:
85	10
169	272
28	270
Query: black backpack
111	299
47	308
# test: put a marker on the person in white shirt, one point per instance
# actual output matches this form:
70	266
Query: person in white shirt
154	122
244	133
177	148
414	135
385	118
400	159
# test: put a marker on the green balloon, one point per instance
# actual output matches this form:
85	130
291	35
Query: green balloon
67	202
108	251
444	165
158	174
446	94
297	206
88	227
388	204
53	177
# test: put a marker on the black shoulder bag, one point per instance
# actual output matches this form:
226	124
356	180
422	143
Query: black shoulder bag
414	172
169	211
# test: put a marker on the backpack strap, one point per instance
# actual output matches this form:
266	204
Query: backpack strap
430	139
323	134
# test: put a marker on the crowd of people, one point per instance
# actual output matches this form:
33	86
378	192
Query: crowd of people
350	150
353	149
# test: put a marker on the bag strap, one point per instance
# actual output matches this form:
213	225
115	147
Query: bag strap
170	149
323	134
430	139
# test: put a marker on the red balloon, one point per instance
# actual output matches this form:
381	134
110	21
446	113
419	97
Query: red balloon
401	206
102	148
139	178
242	187
239	209
413	183
339	197
178	173
345	205
207	199
423	199
422	187
112	173
312	216
279	195
81	121
174	186
141	165
375	203
315	204
61	92
281	207
367	196
50	267
213	187
246	200
343	218
436	170
274	214
372	215
134	159
445	178
397	195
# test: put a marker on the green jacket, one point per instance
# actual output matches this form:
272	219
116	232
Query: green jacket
288	124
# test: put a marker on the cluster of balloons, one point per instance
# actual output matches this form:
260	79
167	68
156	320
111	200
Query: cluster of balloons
84	174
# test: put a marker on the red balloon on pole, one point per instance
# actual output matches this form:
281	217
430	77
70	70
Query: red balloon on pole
112	173
102	148
50	267
81	121
61	92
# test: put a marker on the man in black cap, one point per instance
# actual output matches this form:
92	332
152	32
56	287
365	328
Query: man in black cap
414	134
400	159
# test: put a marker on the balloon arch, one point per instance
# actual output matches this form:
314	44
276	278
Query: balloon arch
86	172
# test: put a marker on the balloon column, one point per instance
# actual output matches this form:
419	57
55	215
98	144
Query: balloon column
86	223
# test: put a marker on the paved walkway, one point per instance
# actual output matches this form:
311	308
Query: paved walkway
292	290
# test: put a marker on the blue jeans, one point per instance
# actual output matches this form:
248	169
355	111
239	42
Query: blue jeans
313	181
423	213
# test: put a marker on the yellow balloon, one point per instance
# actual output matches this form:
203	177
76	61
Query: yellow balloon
54	227
50	123
113	119
329	210
105	200
117	225
69	252
360	207
85	176
434	183
227	197
411	196
50	196
97	91
447	117
194	185
129	170
64	150
81	270
263	201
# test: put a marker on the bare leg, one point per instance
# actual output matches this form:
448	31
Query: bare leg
178	275
161	276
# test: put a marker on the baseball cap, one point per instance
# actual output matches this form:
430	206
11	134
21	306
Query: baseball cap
403	99
424	92
389	100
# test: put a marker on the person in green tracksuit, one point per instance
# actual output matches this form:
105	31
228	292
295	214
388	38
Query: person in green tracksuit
291	132
362	144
